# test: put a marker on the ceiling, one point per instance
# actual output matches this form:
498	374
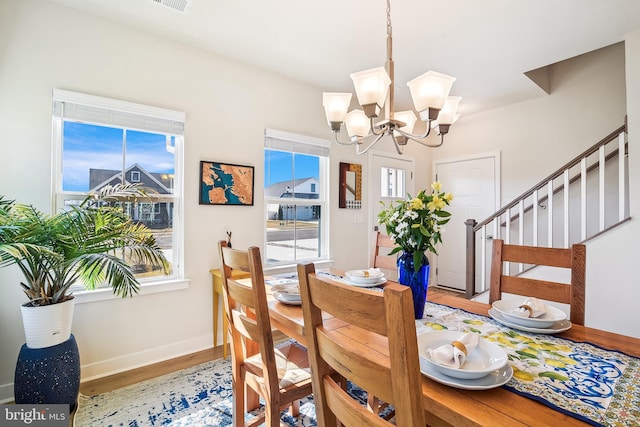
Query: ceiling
487	45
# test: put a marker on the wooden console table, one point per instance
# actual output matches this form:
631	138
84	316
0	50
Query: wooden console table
216	284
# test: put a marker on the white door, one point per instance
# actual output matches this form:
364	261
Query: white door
390	178
474	185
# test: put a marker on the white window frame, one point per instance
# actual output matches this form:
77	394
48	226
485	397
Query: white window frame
303	144
135	176
159	119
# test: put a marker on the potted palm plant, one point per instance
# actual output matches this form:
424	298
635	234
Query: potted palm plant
93	243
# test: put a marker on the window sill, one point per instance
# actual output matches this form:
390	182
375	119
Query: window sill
289	268
103	294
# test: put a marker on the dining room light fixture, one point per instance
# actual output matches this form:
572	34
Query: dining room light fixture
375	90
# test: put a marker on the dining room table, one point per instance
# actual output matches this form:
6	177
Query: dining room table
548	386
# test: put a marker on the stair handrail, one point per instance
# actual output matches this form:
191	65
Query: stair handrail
473	226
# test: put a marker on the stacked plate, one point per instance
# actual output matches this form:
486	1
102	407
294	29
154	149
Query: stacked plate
485	367
287	293
552	321
366	278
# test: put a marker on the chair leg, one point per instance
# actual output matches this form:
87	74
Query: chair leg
295	408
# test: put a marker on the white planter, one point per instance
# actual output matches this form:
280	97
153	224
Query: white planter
47	325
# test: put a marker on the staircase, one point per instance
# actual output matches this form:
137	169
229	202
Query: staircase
582	199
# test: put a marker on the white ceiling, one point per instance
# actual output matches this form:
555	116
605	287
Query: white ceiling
486	44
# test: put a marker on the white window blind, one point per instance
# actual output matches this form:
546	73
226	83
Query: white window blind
295	143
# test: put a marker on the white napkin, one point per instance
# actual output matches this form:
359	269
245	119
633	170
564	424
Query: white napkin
530	307
455	353
372	272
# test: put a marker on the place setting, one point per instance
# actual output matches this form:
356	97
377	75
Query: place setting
530	315
365	278
287	293
463	360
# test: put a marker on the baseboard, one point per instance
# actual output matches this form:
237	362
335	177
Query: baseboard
6	393
143	358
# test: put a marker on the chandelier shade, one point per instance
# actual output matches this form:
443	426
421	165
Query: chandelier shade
375	93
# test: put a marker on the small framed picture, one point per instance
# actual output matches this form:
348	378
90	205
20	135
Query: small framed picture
226	184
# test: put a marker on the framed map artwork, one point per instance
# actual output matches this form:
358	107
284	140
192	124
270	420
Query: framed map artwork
225	184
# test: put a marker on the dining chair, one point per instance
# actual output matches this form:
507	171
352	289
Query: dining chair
381	244
279	374
572	293
335	356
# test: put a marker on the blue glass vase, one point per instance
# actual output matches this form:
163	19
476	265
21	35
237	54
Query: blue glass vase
418	280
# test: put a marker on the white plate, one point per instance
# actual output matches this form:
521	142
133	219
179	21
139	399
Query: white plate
493	380
557	327
551	315
292	288
287	298
487	357
378	282
355	276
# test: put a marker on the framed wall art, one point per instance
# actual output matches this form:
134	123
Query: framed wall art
226	184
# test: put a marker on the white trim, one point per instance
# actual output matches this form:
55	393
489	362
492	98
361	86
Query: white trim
106	293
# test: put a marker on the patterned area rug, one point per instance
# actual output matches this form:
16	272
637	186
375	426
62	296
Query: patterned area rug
198	396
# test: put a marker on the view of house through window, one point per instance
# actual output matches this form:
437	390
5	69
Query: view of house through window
295	198
98	146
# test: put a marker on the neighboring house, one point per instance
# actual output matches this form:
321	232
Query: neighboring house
304	188
154	214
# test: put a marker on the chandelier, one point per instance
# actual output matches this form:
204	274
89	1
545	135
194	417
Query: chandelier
375	89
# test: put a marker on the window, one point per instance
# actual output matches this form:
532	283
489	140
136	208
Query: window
392	182
98	141
296	171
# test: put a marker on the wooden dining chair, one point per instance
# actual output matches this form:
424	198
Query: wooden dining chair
280	374
381	244
572	293
334	356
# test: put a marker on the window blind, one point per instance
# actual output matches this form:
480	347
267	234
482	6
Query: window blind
105	111
296	143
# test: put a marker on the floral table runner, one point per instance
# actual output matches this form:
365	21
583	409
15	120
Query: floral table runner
595	385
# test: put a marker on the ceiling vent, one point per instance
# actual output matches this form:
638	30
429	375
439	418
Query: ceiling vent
179	5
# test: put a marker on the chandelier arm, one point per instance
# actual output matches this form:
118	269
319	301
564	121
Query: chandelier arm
335	138
423	142
414	136
363	140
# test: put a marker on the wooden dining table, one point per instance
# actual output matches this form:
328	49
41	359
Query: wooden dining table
446	405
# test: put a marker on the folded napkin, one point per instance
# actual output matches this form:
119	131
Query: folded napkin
455	353
372	272
530	307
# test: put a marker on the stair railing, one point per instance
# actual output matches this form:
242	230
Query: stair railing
566	199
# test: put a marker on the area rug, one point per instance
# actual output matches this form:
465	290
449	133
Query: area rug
198	396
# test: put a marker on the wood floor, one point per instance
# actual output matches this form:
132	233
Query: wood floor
123	379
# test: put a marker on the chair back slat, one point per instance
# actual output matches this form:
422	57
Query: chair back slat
380	246
572	293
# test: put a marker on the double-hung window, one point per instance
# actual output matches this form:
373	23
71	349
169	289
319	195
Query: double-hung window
100	141
296	172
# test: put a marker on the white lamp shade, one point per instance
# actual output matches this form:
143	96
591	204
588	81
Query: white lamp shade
430	90
357	123
336	105
448	113
371	86
408	117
